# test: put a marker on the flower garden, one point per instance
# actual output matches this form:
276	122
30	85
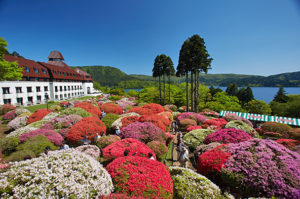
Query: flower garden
232	159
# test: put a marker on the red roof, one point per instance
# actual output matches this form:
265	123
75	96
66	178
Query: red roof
84	74
31	65
55	55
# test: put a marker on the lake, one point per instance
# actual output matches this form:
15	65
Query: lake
261	93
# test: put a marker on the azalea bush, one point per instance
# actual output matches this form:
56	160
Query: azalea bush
6	108
155	119
90	150
20	131
124	104
160	149
189	184
128	120
155	108
191	128
17	123
109	119
140	111
281	129
226	136
9	115
76	111
237	124
262	168
63	174
95	111
111	108
196	137
288	143
172	107
144	132
231	116
104	141
51	135
120	196
205	147
191	115
38	115
133	146
138	176
20	111
37	124
88	126
8	145
217	123
50	116
186	123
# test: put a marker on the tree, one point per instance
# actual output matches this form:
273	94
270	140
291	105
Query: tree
194	58
245	95
97	85
159	70
170	71
8	70
281	96
232	89
222	101
258	107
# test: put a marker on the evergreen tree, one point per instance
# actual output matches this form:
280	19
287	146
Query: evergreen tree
281	96
232	89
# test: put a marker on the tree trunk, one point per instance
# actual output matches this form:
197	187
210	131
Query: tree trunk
197	91
169	89
192	91
164	89
159	87
187	90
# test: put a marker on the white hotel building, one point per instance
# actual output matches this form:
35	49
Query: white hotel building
55	80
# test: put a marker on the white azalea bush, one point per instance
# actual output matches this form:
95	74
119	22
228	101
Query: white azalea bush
20	111
50	116
20	131
18	122
60	174
189	184
118	122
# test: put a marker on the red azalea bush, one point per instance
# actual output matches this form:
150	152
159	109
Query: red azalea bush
140	111
9	115
104	141
156	120
116	149
191	128
128	120
212	160
63	104
95	111
52	136
38	115
120	196
288	143
218	123
138	176
155	108
226	136
6	108
281	129
111	108
186	123
89	126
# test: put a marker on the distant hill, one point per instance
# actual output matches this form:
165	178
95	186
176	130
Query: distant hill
111	76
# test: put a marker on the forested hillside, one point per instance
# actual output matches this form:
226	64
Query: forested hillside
113	77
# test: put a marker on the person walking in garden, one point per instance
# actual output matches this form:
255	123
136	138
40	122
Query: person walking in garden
117	131
180	146
179	136
96	138
150	155
184	157
173	126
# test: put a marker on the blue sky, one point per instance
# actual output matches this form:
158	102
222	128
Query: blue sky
243	36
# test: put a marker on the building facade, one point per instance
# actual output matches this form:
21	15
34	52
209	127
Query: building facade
54	80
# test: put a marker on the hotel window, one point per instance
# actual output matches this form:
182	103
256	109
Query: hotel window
68	74
29	89
6	101
36	79
60	88
38	98
59	73
65	95
54	72
61	97
29	99
18	89
38	89
56	97
5	90
56	89
27	78
27	70
65	88
63	73
20	100
72	88
68	88
36	71
44	71
71	74
45	88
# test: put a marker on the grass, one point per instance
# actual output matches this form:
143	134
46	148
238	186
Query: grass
169	160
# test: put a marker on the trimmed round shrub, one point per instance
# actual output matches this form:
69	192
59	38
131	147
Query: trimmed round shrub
24	114
262	168
50	116
109	119
20	111
60	174
88	126
216	123
19	155
231	116
111	108
172	107
295	133
186	123
128	120
120	196
155	108
155	119
191	128
191	115
189	184
20	131
288	143
38	115
104	141
37	124
138	176
140	111
226	136
196	137
76	111
94	110
205	147
6	108
281	129
118	122
55	107
17	123
124	104
236	124
144	132
51	135
9	144
160	149
9	115
90	150
133	146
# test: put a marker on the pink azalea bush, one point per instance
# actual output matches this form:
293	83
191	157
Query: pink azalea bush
217	123
52	136
225	136
9	115
91	150
191	115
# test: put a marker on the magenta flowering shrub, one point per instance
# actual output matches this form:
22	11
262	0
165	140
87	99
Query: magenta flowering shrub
226	136
262	168
144	132
52	136
191	115
9	115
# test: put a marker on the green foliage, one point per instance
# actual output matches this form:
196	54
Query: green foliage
232	89
281	96
97	85
196	137
117	91
259	107
76	111
276	127
37	145
114	98
9	145
132	93
109	119
222	101
245	95
20	155
288	109
136	84
237	124
8	70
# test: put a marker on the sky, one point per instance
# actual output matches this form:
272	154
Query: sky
256	37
